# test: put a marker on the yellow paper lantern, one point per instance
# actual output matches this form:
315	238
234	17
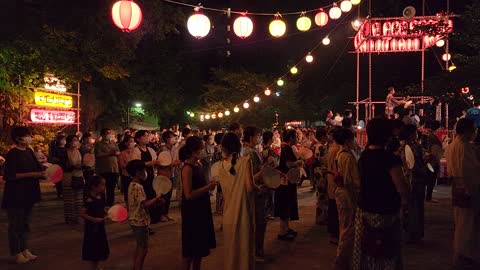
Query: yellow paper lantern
335	12
294	70
220	115
277	28
198	25
280	82
243	26
246	105
214	116
355	2
304	23
236	109
321	18
227	112
207	116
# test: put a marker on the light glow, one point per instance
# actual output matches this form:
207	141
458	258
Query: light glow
198	25
256	99
53	100
126	15
294	70
52	117
277	28
246	105
309	58
243	26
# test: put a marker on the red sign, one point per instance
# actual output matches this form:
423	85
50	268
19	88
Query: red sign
52	117
400	35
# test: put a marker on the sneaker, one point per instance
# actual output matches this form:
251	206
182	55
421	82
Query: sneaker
29	255
21	259
169	218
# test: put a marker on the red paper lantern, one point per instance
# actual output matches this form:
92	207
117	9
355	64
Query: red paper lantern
321	18
126	15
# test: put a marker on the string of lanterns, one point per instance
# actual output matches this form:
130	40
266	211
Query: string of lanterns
267	92
127	16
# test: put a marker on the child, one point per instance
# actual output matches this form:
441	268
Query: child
138	217
95	243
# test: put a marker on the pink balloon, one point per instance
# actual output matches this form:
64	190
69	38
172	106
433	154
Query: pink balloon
118	213
54	173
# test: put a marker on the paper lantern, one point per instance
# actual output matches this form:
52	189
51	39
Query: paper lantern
126	15
440	43
346	5
309	58
198	25
294	70
280	82
236	109
214	116
326	41
246	105
356	24
243	26
321	19
192	114
227	112
335	12
220	115
277	28
256	99
202	117
267	92
207	116
355	2
304	23
446	57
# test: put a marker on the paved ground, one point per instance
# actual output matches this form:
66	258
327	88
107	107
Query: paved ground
59	245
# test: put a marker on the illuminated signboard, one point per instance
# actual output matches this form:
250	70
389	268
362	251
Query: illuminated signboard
295	123
52	117
54	84
53	100
381	35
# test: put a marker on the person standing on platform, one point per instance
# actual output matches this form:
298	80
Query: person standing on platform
391	102
106	162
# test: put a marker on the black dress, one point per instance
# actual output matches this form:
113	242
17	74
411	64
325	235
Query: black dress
155	210
95	243
198	233
286	204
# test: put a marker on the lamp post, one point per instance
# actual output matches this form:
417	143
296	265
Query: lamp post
137	105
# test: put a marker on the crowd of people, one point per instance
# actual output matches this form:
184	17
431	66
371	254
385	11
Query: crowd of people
370	197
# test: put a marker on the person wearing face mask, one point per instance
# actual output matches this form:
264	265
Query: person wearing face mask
172	171
198	234
149	157
21	192
106	162
58	155
127	146
73	183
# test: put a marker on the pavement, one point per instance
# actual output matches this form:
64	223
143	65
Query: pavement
59	246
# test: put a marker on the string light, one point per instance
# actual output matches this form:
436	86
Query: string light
280	82
346	5
236	109
355	2
246	105
220	115
326	41
446	57
227	112
335	12
198	24
192	114
207	116
214	116
309	58
294	70
440	43
277	27
256	99
267	92
277	94
356	24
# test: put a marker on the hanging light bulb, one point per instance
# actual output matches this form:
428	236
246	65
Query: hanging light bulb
294	70
267	92
202	118
326	41
446	57
277	27
309	58
304	23
236	109
321	18
243	26
255	99
227	112
280	82
356	24
214	116
440	43
192	114
207	116
198	24
335	12
277	94
355	2
220	115
246	105
346	5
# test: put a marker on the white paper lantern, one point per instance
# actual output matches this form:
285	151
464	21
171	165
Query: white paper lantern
335	12
198	25
346	5
243	26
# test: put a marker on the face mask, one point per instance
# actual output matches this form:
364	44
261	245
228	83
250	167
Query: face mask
63	142
173	140
131	145
202	154
27	140
109	137
76	144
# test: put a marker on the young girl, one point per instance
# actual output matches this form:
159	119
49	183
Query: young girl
95	243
